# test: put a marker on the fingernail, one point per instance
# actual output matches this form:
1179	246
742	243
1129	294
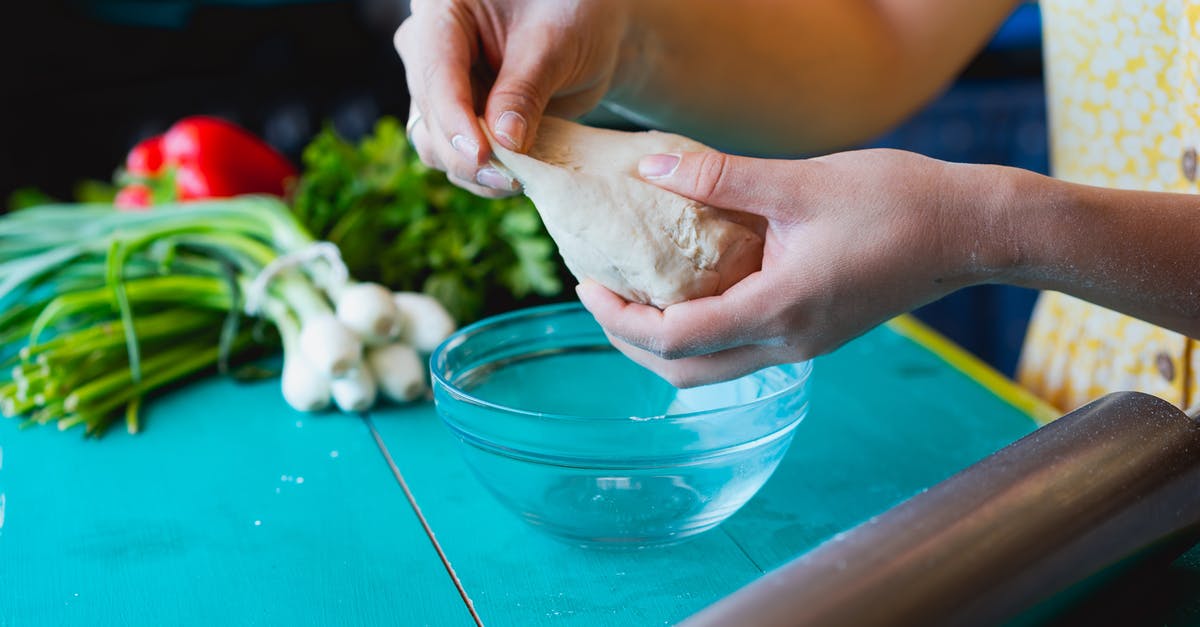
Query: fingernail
495	179
510	129
466	146
658	166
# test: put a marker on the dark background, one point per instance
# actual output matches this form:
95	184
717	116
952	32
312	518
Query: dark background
94	76
86	79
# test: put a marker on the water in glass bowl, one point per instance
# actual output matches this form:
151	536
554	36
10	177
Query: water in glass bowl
617	462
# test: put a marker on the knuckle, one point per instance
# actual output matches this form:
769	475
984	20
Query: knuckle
520	93
775	329
673	345
792	346
792	320
796	354
404	36
711	172
671	352
401	35
804	353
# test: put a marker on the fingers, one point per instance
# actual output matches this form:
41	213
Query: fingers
696	327
418	136
437	48
765	187
703	369
518	99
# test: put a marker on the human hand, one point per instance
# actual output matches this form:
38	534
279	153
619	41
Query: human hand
852	239
512	59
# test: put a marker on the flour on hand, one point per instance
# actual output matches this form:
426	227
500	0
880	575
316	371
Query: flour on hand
649	245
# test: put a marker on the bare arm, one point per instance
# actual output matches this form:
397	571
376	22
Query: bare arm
858	237
787	76
1131	251
766	76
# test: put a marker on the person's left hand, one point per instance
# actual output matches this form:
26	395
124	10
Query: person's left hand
852	239
512	61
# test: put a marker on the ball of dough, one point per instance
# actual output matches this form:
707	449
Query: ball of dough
649	245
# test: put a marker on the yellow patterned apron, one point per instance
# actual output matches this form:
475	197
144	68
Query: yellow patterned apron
1124	112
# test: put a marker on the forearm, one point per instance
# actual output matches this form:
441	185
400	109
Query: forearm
787	77
1130	251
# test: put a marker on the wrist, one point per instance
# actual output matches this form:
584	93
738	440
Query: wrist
1000	207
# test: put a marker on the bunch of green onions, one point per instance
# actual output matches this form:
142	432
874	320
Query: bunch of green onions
99	307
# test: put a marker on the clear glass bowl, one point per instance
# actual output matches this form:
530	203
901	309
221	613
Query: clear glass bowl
590	447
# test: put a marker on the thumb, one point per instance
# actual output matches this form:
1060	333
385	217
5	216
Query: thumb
528	78
717	179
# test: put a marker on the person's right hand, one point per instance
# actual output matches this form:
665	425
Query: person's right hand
851	240
509	60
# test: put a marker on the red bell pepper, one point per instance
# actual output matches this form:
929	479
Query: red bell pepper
205	157
213	158
146	158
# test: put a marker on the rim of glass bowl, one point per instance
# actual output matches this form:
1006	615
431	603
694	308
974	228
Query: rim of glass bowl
541	311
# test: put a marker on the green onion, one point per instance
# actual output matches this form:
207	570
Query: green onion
99	308
104	306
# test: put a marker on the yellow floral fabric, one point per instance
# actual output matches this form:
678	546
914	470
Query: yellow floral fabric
1122	91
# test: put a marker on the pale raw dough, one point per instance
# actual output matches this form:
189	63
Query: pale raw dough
647	244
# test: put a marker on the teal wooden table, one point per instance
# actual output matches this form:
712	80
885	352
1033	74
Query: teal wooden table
231	508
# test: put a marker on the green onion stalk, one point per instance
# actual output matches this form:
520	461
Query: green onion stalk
99	307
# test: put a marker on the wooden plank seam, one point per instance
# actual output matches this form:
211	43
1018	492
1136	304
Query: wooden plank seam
746	554
412	501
